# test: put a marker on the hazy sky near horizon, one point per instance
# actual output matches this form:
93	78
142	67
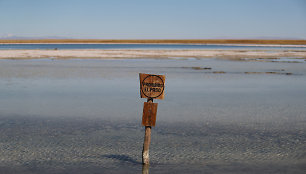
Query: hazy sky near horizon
157	19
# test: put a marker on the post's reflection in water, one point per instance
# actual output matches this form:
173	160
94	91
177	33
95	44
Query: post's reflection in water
145	168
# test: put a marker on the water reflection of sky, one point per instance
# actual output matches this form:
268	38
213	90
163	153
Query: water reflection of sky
147	46
58	115
110	89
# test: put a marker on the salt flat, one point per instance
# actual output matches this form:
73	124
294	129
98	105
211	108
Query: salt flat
132	54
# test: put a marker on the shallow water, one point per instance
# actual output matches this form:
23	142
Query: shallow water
83	116
147	46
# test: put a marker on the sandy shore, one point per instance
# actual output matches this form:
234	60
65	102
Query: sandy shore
126	54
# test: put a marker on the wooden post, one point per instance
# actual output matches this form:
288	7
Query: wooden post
147	140
151	87
145	168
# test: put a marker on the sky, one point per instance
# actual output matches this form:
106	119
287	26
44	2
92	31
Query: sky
154	19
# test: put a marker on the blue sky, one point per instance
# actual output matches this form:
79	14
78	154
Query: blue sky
154	19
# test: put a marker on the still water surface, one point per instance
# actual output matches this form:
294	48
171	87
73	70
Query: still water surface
84	116
145	46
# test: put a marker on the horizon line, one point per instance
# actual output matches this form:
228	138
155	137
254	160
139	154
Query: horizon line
161	41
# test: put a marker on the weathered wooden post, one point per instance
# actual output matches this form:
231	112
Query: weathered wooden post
151	87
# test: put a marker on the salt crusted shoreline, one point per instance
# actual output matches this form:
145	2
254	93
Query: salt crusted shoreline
157	54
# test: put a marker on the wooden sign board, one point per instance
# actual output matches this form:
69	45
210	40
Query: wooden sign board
149	114
152	86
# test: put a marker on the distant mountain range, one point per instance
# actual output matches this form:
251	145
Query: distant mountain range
32	38
222	38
